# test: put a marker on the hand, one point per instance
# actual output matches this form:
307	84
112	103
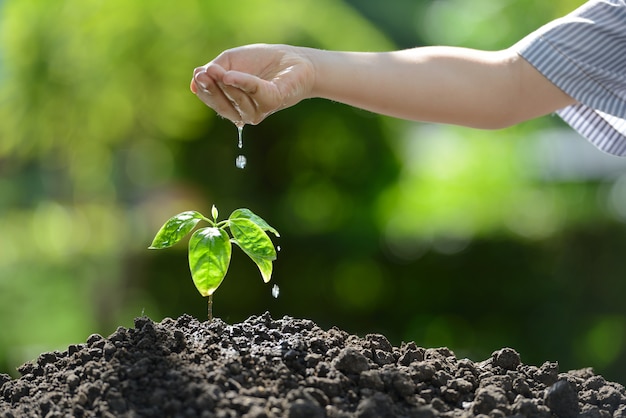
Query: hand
249	83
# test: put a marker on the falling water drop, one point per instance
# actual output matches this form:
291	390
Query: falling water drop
275	291
278	248
239	126
241	161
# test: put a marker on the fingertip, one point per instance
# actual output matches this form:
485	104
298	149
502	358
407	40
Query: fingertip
202	80
214	70
198	70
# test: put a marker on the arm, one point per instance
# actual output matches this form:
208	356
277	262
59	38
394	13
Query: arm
439	84
436	84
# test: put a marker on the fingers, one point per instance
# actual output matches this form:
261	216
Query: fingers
245	82
230	93
257	98
206	85
243	103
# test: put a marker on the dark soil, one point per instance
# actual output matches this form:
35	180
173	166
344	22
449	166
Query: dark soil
290	368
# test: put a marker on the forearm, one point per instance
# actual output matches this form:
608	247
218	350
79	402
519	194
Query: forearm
438	84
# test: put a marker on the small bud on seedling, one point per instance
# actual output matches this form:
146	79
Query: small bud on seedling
210	248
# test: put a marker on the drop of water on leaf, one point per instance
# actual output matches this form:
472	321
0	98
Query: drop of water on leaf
275	291
241	162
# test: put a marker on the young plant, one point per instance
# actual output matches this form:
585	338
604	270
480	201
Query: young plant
210	248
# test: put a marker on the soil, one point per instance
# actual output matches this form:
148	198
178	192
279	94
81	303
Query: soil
290	368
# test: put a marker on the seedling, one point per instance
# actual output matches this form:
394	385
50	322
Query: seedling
210	248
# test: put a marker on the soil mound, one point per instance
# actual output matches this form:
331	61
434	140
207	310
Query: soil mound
290	368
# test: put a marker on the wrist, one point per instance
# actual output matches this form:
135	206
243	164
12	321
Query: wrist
323	71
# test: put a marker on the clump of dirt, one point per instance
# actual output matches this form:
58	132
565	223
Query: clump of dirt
290	368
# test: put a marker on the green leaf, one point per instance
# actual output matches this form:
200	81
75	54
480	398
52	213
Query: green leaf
265	267
251	238
248	214
209	257
175	229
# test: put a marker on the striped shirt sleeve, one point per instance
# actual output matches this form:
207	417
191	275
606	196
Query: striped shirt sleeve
584	54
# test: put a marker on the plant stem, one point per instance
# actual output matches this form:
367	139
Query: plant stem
210	308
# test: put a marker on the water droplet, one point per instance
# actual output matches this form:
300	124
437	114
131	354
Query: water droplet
239	126
278	248
241	161
275	291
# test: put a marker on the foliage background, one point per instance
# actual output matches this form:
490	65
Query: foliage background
443	235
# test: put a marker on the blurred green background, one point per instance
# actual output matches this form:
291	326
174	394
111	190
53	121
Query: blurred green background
441	235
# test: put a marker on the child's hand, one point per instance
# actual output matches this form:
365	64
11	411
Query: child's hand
247	84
